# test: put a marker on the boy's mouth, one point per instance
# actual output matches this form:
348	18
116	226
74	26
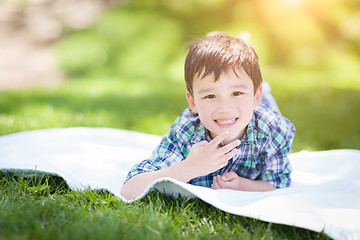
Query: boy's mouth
225	123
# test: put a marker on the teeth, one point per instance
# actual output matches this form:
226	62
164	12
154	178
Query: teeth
226	122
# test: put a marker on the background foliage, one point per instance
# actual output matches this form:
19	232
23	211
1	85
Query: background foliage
126	69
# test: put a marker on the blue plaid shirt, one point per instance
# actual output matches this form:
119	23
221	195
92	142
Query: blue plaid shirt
262	154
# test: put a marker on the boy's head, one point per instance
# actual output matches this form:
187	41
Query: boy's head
224	84
217	53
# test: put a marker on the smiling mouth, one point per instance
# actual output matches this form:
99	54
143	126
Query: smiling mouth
225	123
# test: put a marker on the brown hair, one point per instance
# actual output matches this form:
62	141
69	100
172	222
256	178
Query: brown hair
218	52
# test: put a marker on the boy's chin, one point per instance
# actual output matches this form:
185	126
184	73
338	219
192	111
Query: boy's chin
226	140
230	138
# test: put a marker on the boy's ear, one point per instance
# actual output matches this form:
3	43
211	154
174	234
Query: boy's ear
258	96
191	102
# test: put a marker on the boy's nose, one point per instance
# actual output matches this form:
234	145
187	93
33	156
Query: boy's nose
224	105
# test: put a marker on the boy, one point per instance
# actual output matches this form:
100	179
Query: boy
226	138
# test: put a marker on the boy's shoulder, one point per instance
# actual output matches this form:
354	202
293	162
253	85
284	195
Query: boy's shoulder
273	124
187	127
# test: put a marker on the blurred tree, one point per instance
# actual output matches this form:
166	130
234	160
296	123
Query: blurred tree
300	33
288	31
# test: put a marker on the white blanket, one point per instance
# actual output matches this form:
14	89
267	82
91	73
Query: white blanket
325	194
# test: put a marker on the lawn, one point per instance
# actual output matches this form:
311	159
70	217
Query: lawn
39	208
117	79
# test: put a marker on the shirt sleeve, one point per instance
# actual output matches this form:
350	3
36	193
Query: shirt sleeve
277	167
171	150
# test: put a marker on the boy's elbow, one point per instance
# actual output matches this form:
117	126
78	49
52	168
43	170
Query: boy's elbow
127	196
134	187
127	193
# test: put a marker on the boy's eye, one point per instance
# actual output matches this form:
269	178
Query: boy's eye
237	93
210	96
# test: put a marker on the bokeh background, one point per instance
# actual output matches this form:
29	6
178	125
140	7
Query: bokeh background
66	63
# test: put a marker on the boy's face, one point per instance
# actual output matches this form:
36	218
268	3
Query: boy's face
227	103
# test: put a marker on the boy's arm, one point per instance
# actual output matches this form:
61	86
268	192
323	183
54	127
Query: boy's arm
276	173
232	181
204	158
136	185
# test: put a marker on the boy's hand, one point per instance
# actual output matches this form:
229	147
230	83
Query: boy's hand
229	180
232	181
205	157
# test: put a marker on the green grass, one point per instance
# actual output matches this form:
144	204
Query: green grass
38	209
129	103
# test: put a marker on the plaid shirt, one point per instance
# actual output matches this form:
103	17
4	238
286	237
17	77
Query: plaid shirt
262	154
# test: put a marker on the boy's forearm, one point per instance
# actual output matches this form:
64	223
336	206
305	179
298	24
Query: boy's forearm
136	185
232	181
258	186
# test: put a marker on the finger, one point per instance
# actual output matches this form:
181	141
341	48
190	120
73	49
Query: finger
218	139
224	159
220	183
215	184
202	143
230	146
228	176
223	184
